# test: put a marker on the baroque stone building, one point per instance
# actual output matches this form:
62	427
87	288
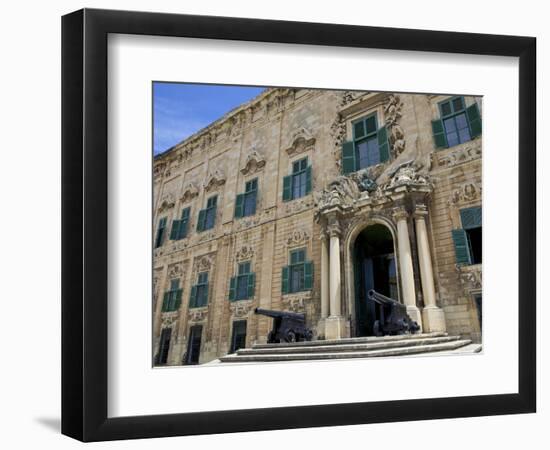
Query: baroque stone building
303	200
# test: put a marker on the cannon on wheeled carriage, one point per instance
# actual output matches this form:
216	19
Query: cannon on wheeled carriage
393	317
287	326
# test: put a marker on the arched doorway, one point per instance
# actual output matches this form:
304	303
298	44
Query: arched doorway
374	267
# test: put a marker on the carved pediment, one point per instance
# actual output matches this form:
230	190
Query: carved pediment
190	191
254	162
175	271
198	314
407	174
301	141
244	253
214	180
240	308
344	190
167	202
204	263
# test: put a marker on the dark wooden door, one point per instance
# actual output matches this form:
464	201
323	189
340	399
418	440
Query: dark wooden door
194	345
238	338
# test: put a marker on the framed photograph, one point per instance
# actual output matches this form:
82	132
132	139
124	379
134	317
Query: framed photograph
273	225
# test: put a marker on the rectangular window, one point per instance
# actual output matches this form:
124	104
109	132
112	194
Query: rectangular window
179	227
161	229
368	147
457	123
207	216
468	239
299	182
298	275
199	292
192	355
172	297
241	286
245	204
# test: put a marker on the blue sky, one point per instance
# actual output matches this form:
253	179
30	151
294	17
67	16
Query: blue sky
182	109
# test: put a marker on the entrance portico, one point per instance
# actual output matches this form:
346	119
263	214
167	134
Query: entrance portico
366	244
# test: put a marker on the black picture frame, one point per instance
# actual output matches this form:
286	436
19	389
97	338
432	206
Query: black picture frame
84	224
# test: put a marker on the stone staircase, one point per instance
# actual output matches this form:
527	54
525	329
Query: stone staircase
362	347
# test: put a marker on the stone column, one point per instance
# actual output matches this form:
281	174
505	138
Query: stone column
325	273
433	317
406	266
334	324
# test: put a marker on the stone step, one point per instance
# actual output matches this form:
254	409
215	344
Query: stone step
356	346
355	340
398	351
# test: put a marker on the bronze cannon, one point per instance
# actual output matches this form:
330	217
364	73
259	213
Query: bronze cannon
393	317
287	326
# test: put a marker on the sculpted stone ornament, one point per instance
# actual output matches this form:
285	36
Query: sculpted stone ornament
254	162
344	190
297	237
396	136
407	174
245	252
465	193
167	202
214	180
190	191
301	141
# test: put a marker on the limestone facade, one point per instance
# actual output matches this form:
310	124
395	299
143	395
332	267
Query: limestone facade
417	193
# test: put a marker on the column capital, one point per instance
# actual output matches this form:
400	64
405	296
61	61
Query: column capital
333	230
420	211
400	213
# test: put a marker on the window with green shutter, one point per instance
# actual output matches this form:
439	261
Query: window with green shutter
299	183
457	123
298	275
468	239
199	292
179	227
241	286
369	146
207	216
172	297
161	231
245	204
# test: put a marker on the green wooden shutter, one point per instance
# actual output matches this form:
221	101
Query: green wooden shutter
204	300
284	280
177	299
287	188
233	288
184	223
165	301
255	195
308	277
348	157
308	180
440	138
201	220
193	297
251	284
462	250
470	217
383	144
474	119
174	233
239	205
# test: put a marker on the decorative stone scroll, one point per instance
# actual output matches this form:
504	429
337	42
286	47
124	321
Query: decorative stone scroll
197	314
297	237
345	190
214	180
254	163
296	302
464	153
175	270
169	319
240	308
190	191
